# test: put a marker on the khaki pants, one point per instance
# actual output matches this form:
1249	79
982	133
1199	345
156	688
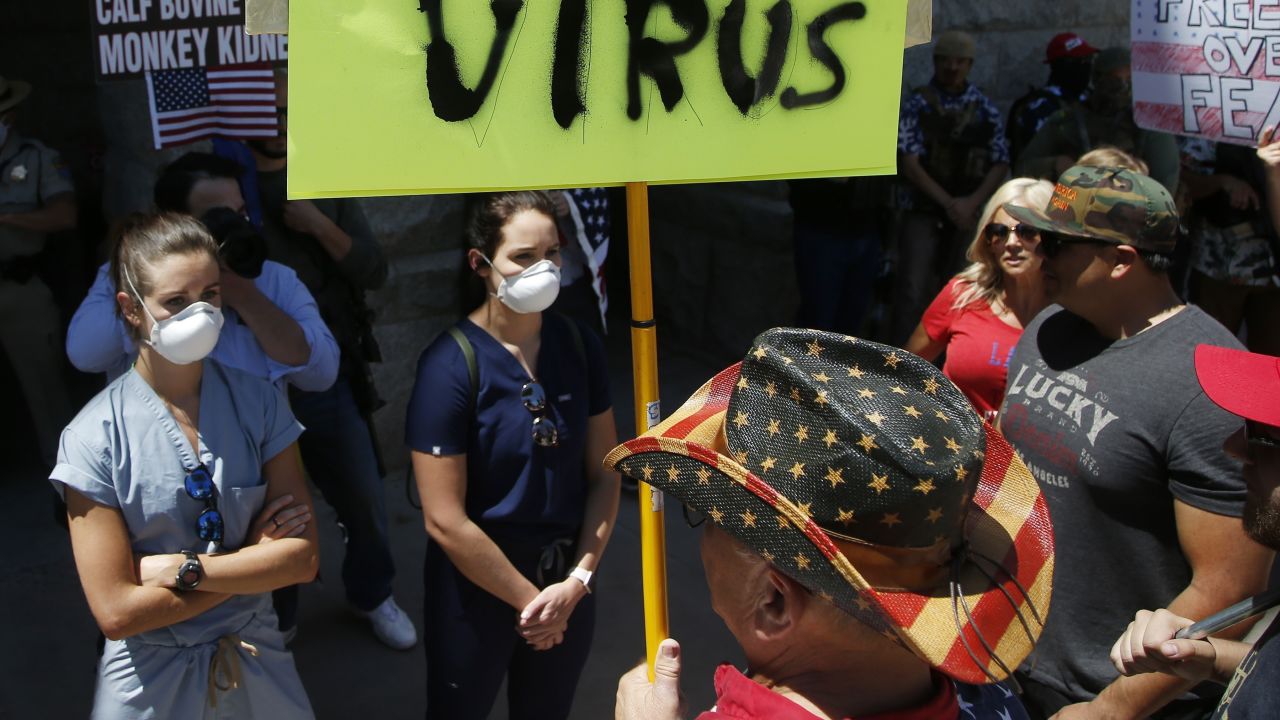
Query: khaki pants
32	339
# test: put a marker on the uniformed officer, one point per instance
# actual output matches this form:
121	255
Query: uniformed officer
36	198
952	155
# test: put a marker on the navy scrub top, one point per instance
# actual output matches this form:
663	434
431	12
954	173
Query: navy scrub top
515	489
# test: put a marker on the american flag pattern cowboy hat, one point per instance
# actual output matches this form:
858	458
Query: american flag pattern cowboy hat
860	471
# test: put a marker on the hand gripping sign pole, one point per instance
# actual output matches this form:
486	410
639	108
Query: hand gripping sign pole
644	363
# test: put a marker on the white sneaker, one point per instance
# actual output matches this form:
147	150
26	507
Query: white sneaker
392	626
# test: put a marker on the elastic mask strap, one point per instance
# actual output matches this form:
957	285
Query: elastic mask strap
138	296
489	262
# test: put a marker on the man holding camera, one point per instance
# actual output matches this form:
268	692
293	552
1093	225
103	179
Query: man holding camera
329	244
273	329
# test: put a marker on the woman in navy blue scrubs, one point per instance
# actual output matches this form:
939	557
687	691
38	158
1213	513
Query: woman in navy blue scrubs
517	505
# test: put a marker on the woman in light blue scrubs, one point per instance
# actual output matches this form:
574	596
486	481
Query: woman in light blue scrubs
186	501
515	499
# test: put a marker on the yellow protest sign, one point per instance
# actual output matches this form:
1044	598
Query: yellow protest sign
414	96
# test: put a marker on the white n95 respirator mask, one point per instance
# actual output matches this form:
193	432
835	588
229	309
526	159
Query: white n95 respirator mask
531	291
186	337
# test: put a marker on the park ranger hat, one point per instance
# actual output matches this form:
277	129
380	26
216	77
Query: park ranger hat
12	92
1108	204
864	474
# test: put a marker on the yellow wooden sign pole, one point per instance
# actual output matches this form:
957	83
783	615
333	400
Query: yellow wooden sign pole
644	362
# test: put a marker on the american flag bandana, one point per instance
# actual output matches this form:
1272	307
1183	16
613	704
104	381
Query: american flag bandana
230	100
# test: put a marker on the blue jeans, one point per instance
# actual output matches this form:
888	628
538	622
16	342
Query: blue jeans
836	272
338	453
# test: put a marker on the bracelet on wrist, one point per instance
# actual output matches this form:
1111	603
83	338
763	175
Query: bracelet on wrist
583	576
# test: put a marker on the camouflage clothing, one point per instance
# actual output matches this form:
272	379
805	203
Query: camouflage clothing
979	128
1108	204
1029	113
1077	130
1238	253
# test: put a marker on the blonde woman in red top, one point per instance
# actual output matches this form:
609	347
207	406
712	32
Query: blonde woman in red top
978	317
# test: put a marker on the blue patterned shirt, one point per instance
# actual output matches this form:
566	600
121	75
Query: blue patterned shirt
911	138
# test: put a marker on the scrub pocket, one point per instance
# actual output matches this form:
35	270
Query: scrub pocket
239	507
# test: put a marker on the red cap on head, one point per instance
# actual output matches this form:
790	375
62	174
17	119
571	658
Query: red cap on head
1244	383
1067	45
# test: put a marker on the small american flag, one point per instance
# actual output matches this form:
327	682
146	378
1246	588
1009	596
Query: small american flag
195	103
591	218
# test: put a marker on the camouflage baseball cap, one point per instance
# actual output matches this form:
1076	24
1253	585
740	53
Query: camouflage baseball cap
1109	204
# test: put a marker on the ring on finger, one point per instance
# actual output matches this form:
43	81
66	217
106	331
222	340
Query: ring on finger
275	520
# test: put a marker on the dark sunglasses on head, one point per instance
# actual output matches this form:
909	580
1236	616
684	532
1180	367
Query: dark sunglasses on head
199	485
999	232
1051	243
1258	438
534	399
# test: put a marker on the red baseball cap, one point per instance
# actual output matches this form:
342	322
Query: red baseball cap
1244	383
1067	45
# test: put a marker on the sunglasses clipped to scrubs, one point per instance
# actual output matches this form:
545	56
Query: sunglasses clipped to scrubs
534	399
199	485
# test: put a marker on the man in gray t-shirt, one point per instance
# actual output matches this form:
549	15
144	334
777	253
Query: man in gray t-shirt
1103	405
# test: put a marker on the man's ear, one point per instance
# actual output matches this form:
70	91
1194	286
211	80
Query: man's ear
781	605
1126	260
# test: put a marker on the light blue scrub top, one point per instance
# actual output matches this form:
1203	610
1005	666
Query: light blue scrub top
125	450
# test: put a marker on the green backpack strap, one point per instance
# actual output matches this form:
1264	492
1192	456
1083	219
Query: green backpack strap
473	372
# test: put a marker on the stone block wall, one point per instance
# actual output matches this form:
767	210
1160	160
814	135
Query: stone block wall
1012	35
722	256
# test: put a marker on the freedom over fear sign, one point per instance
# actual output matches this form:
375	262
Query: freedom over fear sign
416	96
1207	67
132	37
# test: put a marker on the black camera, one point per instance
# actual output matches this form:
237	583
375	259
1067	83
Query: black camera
240	246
